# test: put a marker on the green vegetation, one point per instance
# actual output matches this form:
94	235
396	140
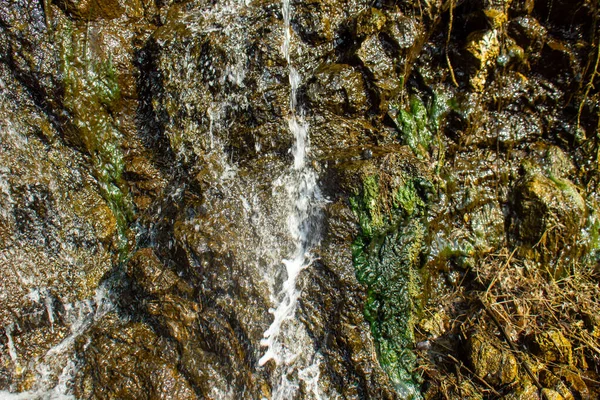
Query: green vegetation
91	94
387	257
419	124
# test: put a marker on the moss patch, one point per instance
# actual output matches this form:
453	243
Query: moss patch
419	123
91	96
387	257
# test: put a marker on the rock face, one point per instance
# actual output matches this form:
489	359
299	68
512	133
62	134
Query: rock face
149	188
59	235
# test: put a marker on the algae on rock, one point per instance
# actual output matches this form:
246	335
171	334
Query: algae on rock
387	257
91	95
419	124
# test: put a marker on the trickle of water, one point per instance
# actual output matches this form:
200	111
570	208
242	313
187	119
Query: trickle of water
303	222
79	316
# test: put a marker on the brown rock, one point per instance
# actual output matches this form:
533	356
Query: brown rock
149	272
575	383
529	34
91	10
554	347
525	391
369	22
104	222
128	361
483	48
548	210
340	88
381	65
490	360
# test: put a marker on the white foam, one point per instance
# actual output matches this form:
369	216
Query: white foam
305	198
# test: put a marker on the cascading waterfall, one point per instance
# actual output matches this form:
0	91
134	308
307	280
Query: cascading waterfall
304	220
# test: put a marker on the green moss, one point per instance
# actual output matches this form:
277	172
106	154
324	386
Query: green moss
105	83
370	217
407	199
420	124
91	95
387	258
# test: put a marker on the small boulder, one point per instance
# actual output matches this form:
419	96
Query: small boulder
490	360
369	22
548	210
339	88
373	55
482	49
91	10
528	34
552	346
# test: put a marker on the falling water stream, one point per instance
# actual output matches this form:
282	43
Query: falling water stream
303	222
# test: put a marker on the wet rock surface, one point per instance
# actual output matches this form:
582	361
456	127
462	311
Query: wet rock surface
490	361
146	168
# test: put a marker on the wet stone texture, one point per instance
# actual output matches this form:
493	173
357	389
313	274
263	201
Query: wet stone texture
146	189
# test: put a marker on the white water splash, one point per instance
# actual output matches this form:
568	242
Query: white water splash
303	223
37	395
57	368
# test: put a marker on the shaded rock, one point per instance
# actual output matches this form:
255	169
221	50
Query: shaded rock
490	360
146	182
149	272
375	58
316	22
558	61
528	34
406	35
91	10
340	88
370	22
562	12
547	209
178	315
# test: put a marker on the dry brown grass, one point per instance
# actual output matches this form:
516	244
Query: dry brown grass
517	302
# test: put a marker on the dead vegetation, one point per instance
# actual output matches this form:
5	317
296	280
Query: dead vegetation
506	310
